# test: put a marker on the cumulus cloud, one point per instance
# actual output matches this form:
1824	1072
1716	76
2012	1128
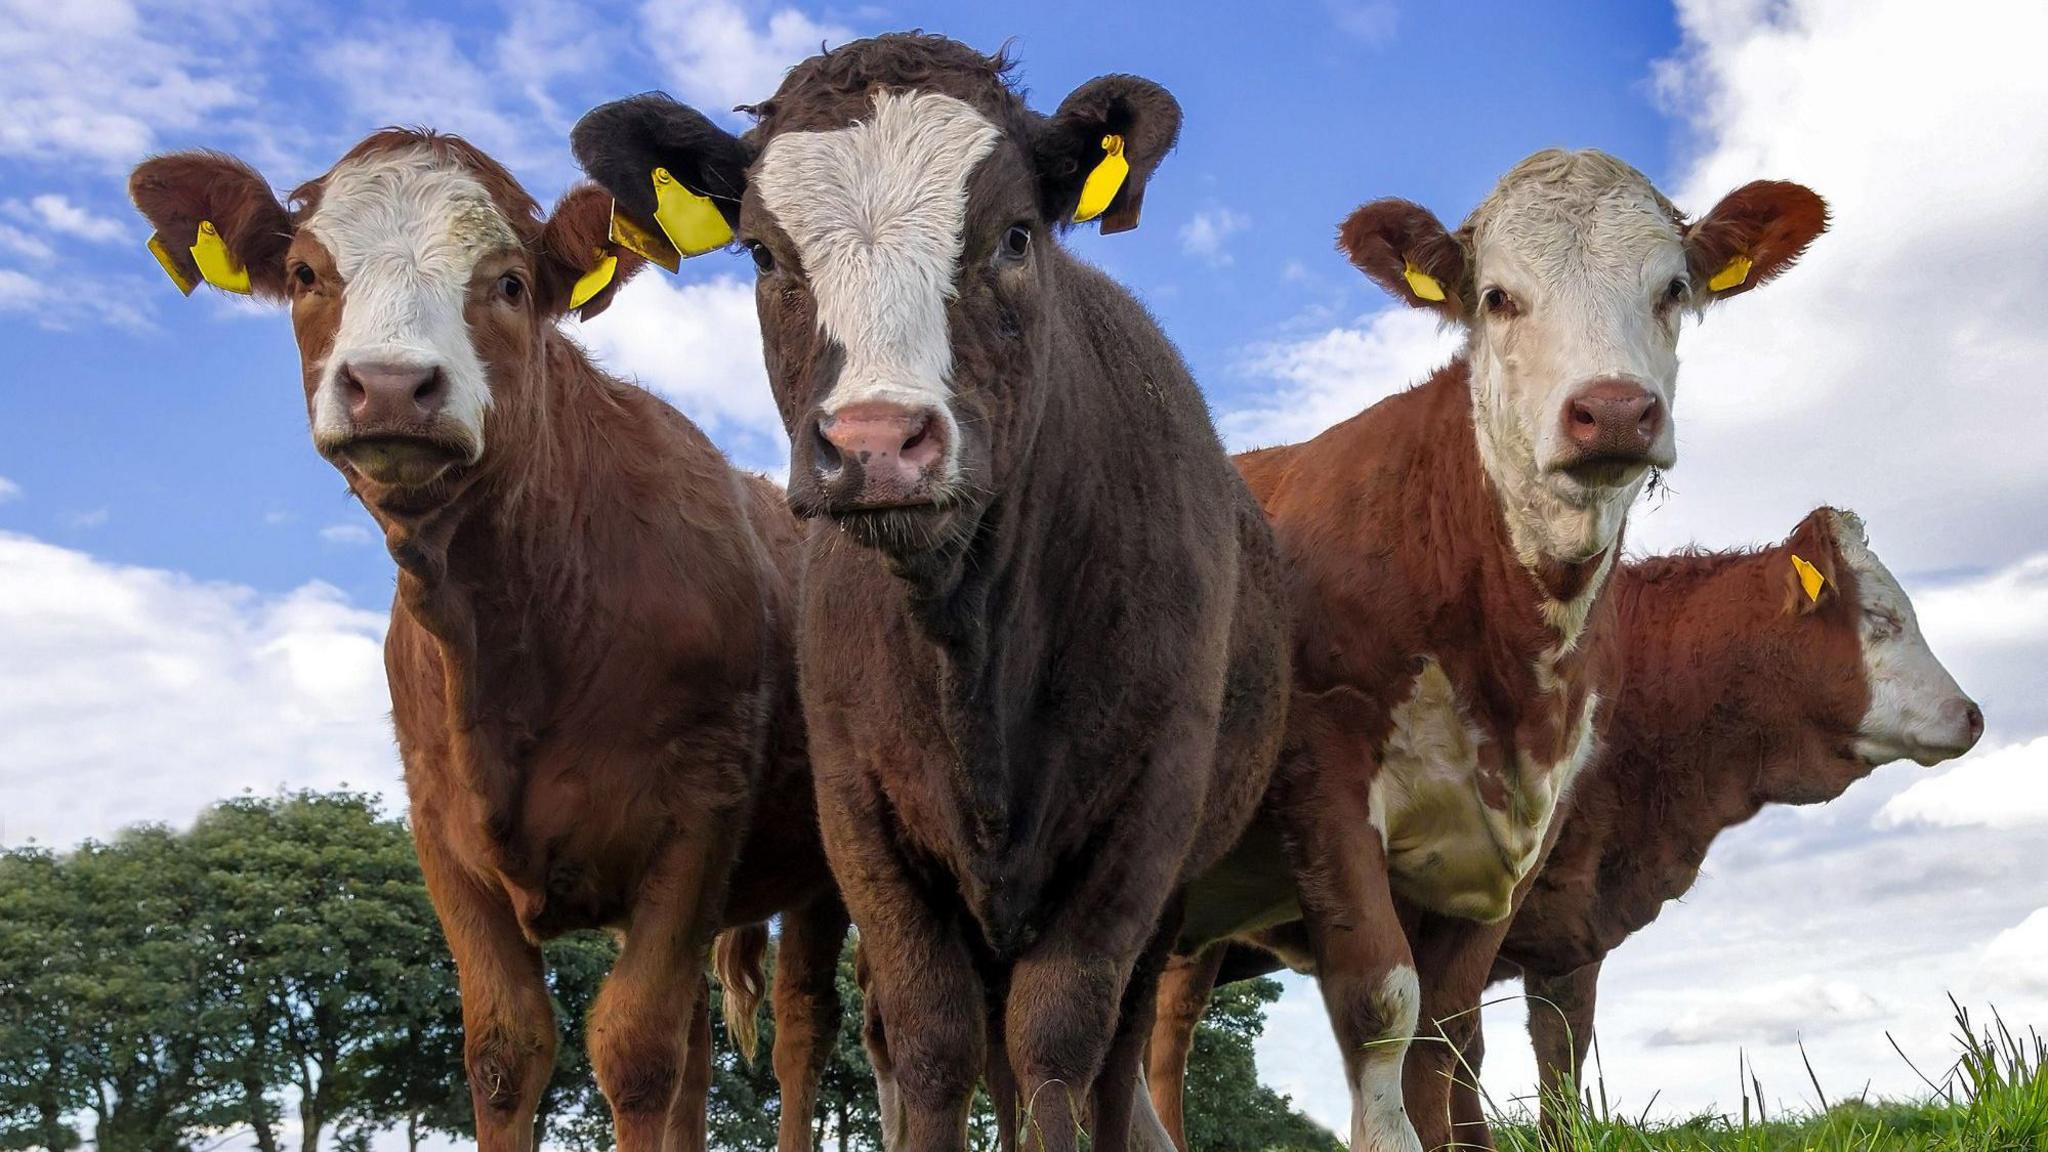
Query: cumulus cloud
1332	375
2021	951
1777	1014
9	490
58	214
416	73
349	533
1205	234
699	345
138	694
2002	789
719	53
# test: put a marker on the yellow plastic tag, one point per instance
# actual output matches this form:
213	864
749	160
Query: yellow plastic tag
650	246
216	263
690	221
593	281
171	269
1421	283
1105	182
1735	272
1809	578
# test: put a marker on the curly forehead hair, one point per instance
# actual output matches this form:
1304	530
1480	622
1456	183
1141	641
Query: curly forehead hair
832	88
1568	182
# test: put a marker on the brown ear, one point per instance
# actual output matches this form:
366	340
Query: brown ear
1386	238
1070	145
575	243
178	192
1768	223
1816	546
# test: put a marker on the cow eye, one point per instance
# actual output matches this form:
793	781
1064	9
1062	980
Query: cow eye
511	287
303	273
764	260
1017	241
1499	303
1676	291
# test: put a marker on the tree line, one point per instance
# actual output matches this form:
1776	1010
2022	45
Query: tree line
274	976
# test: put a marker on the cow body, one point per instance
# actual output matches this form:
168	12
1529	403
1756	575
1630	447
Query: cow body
590	654
1043	642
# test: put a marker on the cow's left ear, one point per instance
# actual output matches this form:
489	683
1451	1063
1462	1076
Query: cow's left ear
676	176
216	222
1095	154
1754	233
581	267
1810	569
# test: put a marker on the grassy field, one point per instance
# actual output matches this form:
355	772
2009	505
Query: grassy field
1994	1098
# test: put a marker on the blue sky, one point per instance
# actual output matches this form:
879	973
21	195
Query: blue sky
190	604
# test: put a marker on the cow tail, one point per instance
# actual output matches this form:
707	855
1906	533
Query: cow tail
739	957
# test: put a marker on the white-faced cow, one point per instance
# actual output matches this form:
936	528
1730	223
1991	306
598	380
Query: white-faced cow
590	651
1044	645
1776	676
1450	547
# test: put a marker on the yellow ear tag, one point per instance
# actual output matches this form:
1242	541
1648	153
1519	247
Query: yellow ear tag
1105	182
171	269
593	282
1809	578
210	252
1421	283
649	246
1735	272
690	221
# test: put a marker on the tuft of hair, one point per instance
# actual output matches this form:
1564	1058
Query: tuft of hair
739	957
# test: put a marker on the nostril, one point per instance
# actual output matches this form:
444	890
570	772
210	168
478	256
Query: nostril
352	388
428	393
825	454
917	435
1974	717
1583	415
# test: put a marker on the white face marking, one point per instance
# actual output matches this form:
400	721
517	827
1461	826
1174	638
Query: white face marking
405	230
1586	248
877	212
1447	850
1917	710
1379	1118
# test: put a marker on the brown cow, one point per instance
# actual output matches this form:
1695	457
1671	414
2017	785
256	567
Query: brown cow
1736	688
1452	544
1043	652
590	649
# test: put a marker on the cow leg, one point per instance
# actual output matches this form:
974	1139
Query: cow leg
1001	1083
508	1022
641	1025
1456	958
1468	1107
1122	1076
1184	990
806	1012
687	1113
1561	1028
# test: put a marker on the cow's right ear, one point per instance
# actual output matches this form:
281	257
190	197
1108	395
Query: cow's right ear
675	176
216	222
1810	572
1406	250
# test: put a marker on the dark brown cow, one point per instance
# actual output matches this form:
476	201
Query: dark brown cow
590	649
1043	652
1451	545
1736	688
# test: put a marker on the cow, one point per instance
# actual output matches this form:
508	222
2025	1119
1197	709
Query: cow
1043	652
1450	547
1779	675
590	654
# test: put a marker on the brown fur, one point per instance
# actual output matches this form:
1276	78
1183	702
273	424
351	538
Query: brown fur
592	679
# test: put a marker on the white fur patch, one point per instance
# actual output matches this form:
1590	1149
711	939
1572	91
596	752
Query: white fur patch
1912	696
877	212
405	230
1379	1118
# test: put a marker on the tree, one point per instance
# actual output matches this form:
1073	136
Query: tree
39	1082
1228	1110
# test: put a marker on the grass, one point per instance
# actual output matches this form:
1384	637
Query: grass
1994	1098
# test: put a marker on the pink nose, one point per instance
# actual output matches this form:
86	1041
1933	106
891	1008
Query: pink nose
874	455
1613	419
392	396
1967	717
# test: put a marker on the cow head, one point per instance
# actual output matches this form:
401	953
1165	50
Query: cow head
1571	280
1871	688
900	204
423	284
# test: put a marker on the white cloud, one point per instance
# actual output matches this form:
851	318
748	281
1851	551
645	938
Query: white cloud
9	490
87	518
1371	21
347	533
1333	375
1204	235
60	215
2021	951
699	345
414	73
139	694
2006	608
1776	1014
719	53
2002	789
26	244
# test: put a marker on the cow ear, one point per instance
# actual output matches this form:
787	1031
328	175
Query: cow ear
677	177
1405	249
216	221
581	266
1810	569
1755	233
1096	153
